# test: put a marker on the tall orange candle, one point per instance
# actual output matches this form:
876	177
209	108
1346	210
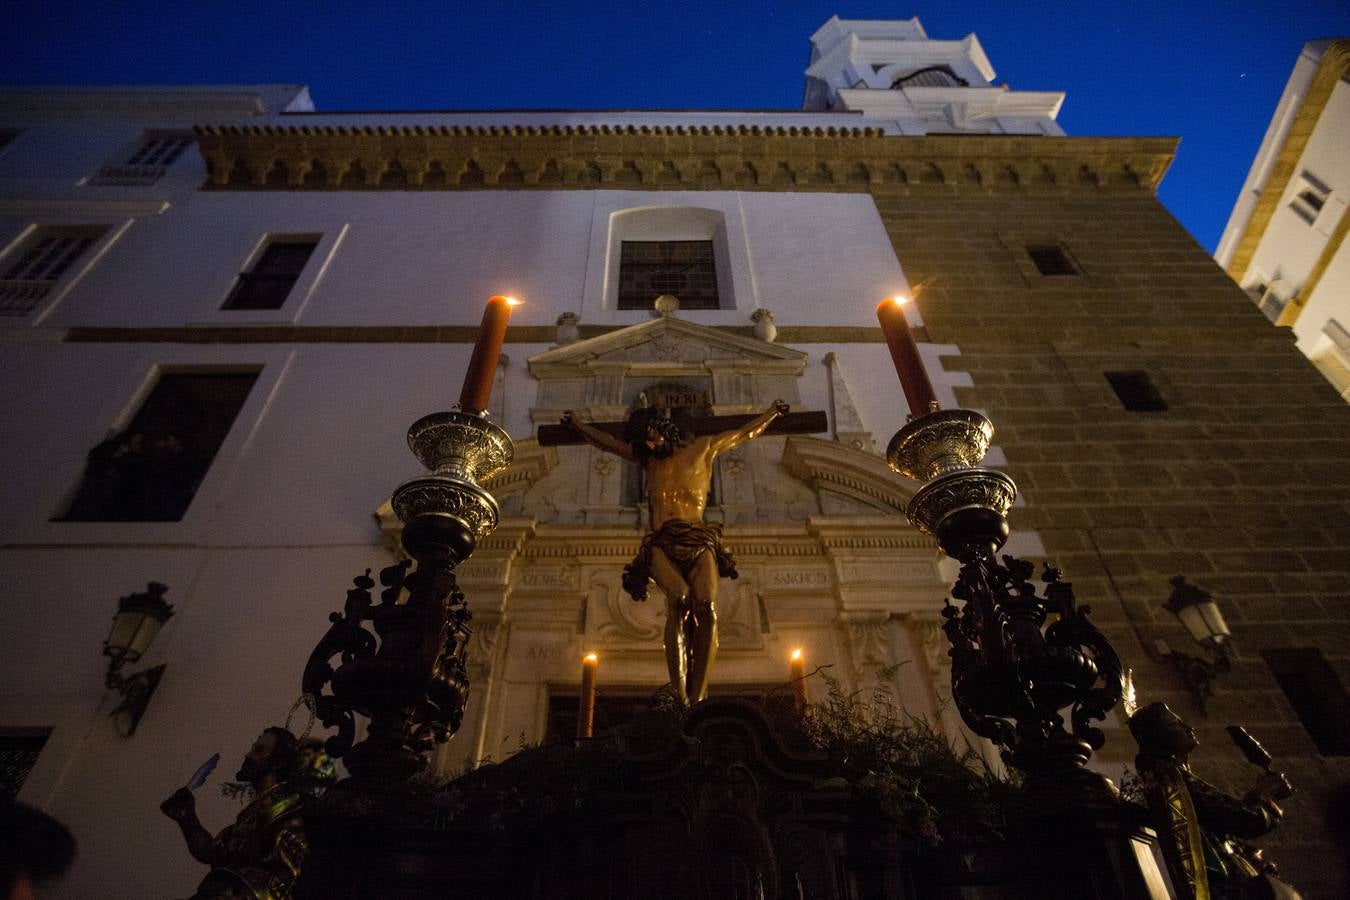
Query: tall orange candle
483	364
797	668
586	709
905	353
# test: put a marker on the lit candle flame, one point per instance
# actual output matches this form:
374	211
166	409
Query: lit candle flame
797	654
900	299
591	657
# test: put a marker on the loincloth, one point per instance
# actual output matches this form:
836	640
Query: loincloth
682	543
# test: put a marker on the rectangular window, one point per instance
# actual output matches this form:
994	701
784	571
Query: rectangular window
1136	391
1050	259
19	751
684	269
147	162
274	273
1313	690
151	471
32	271
1310	195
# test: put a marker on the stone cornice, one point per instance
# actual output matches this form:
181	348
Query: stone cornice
662	157
1334	66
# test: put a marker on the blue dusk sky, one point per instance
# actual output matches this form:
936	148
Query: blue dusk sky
1208	72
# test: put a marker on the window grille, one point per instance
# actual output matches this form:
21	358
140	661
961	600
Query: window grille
151	471
19	752
38	266
1051	260
1136	391
147	163
685	269
269	282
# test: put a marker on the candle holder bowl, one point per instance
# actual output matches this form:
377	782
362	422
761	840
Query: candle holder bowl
447	507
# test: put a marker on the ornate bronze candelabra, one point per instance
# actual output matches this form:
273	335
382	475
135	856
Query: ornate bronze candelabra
411	683
1012	675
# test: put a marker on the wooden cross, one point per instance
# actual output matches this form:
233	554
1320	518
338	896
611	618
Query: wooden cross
813	422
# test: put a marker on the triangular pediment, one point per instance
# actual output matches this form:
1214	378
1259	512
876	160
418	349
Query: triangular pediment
666	340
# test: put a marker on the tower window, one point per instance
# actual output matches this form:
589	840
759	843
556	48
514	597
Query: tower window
1136	391
931	76
39	265
1312	688
1050	259
151	471
19	751
274	273
685	269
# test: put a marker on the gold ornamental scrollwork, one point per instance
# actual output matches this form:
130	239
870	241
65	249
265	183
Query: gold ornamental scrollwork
939	442
974	488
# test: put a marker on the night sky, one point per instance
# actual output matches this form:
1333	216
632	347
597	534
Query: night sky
1208	72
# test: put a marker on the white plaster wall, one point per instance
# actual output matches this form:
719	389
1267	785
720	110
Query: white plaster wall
389	258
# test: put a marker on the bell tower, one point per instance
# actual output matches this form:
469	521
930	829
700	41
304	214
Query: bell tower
892	70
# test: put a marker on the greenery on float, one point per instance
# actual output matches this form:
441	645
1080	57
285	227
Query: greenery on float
935	791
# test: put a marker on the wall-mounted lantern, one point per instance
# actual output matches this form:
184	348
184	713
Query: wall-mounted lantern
1200	614
139	618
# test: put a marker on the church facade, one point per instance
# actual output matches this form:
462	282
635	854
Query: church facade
225	285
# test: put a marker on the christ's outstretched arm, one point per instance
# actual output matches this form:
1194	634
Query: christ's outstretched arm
594	436
750	430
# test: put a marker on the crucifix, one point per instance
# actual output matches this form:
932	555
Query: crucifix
680	552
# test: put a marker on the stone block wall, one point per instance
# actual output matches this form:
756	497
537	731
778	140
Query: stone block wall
1242	484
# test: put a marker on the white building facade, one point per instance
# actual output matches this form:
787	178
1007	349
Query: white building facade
1285	239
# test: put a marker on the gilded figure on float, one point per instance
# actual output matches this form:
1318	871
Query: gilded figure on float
681	553
260	856
1203	830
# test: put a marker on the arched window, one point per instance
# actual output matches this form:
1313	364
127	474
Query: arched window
679	250
932	76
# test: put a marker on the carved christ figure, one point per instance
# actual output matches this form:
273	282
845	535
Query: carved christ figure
681	553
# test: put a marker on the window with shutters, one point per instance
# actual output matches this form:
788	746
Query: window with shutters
268	282
32	272
146	162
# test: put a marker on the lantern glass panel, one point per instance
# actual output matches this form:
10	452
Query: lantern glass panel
140	641
1214	623
1194	620
123	634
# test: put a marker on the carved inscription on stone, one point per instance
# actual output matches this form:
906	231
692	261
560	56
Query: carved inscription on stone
547	578
796	579
871	569
481	573
544	652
